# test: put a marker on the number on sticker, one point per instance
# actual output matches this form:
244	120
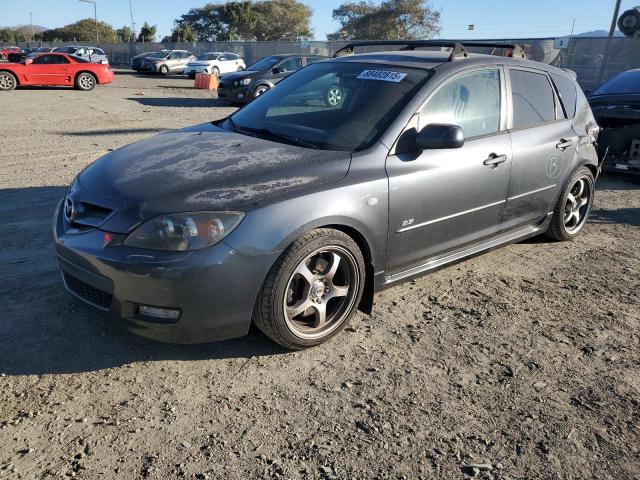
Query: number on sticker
384	75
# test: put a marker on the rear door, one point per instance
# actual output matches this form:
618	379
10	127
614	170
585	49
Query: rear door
47	70
444	200
544	144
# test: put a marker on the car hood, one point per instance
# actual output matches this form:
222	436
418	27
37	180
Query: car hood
238	75
199	168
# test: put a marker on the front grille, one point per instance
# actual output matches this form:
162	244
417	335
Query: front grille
86	292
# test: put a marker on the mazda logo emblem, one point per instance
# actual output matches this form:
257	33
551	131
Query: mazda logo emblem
69	209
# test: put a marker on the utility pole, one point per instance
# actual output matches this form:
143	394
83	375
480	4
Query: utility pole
133	24
33	38
607	50
95	16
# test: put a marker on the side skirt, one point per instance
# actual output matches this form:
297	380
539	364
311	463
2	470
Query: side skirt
459	255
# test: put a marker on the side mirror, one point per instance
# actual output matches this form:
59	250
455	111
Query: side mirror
277	70
440	136
28	61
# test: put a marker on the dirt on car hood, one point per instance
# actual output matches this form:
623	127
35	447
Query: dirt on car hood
199	168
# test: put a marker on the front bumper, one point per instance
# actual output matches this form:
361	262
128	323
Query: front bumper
192	70
239	94
214	288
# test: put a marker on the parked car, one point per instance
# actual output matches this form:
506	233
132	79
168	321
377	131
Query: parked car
616	106
242	87
34	52
57	69
17	56
292	212
91	54
216	63
136	62
5	51
166	62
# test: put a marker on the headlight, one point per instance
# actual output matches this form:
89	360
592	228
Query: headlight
245	81
184	231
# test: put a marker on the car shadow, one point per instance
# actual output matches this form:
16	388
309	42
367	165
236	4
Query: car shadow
45	331
180	102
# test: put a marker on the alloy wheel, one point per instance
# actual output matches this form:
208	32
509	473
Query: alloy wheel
7	82
577	205
86	82
321	292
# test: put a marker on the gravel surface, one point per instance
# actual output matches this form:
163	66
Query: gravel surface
521	363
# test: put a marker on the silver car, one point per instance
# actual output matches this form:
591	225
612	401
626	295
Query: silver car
292	212
166	62
91	54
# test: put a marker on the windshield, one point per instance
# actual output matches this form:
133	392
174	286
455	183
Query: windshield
159	55
626	82
265	64
208	56
331	106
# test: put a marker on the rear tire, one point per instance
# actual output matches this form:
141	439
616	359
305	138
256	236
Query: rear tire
8	81
573	207
86	82
312	291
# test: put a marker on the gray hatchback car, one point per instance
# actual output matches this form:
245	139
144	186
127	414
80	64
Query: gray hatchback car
292	212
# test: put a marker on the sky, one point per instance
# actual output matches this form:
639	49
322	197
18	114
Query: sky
492	18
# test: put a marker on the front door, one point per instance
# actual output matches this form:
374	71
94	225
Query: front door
47	70
286	68
443	200
544	144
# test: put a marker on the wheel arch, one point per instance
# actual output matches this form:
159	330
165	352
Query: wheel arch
15	75
366	302
80	72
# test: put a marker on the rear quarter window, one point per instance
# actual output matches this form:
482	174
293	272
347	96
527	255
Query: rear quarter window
533	99
568	94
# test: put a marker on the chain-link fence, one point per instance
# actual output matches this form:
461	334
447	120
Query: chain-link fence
583	55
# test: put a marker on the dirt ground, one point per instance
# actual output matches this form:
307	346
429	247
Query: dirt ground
521	363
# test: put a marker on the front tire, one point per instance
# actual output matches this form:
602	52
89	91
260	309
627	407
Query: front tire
312	291
260	89
86	82
215	71
8	81
164	70
573	207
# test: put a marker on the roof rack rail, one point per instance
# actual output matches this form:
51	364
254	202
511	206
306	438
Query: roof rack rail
458	50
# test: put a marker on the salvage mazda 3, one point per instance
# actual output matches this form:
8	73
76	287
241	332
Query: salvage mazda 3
292	212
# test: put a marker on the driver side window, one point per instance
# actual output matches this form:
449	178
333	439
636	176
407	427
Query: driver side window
471	101
291	65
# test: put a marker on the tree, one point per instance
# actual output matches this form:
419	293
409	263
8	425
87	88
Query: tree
283	20
82	31
11	35
249	20
181	33
125	34
392	19
147	33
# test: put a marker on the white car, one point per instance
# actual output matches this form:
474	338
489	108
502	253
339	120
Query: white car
217	63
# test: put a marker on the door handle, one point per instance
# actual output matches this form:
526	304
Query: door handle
564	144
494	160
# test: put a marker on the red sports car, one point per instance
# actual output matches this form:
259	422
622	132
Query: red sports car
55	69
5	51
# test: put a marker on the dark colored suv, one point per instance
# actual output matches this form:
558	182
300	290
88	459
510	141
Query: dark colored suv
242	87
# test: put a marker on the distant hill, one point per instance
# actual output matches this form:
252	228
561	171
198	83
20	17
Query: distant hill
599	33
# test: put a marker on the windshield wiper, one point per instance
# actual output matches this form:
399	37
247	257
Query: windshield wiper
275	135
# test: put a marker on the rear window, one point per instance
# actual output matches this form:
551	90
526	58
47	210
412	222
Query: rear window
567	92
533	100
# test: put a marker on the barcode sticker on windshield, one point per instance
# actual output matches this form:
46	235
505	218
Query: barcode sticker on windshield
384	75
